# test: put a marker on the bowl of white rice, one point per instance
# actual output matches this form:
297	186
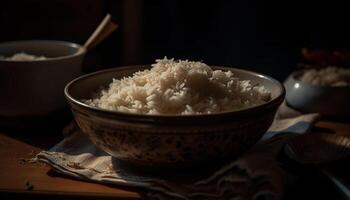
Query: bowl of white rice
174	112
325	91
33	74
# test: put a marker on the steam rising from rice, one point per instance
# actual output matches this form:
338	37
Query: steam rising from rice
180	87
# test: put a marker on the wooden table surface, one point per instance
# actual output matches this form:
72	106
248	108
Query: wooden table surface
17	175
18	178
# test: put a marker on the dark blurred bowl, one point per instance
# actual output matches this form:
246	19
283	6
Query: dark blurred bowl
34	87
326	100
171	140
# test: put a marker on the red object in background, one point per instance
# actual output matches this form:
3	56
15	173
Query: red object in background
325	58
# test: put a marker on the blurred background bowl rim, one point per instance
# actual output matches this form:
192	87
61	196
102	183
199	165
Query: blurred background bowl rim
294	75
81	50
276	100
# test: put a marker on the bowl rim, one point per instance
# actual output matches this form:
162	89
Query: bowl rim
294	75
80	50
276	100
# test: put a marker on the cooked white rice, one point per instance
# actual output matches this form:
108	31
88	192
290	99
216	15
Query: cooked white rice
329	76
23	57
180	87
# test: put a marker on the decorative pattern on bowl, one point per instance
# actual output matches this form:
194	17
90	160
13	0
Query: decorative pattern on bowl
166	144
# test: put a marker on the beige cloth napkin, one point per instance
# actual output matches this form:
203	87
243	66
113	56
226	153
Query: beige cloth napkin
254	175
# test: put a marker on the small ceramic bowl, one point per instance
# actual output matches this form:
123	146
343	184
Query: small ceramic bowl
34	87
326	100
171	140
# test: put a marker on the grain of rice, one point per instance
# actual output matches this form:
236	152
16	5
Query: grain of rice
180	87
22	56
329	76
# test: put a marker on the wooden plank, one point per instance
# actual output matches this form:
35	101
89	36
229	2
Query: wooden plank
335	127
14	175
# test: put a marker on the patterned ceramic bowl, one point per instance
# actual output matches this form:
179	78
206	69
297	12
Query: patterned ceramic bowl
171	140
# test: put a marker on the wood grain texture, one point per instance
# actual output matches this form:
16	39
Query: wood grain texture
17	177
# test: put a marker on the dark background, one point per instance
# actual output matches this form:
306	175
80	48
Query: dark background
265	36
